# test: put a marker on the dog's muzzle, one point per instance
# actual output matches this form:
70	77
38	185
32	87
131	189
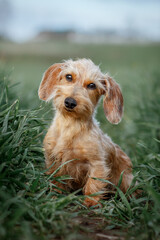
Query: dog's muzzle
70	103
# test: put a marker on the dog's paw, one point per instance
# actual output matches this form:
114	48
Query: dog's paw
94	201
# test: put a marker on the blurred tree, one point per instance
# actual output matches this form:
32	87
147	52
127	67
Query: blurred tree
5	16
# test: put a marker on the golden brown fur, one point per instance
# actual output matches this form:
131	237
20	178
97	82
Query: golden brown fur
74	133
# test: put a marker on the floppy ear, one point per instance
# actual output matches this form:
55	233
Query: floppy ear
49	80
113	101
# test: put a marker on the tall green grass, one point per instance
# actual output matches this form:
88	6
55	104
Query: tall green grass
31	209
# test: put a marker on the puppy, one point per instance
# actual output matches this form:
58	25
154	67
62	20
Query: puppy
76	88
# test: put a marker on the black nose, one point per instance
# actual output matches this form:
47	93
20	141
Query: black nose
70	102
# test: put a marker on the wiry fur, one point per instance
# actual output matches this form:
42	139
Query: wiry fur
75	134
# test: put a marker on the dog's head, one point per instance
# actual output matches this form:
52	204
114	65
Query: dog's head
76	87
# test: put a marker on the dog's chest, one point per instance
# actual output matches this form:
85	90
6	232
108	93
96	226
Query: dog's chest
80	147
69	149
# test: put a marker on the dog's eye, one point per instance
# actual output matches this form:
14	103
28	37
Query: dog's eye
69	77
91	86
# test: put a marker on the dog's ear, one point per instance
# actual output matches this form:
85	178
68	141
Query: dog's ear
113	101
49	80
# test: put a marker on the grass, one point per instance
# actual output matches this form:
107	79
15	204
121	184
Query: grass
29	208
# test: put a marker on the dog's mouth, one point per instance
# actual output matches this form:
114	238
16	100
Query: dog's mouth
68	109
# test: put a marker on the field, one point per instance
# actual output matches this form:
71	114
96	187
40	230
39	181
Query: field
29	209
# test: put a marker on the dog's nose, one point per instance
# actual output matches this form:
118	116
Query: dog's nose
70	102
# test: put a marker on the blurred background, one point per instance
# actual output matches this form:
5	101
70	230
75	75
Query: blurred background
81	21
121	36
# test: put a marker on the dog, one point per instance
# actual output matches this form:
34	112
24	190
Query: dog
76	88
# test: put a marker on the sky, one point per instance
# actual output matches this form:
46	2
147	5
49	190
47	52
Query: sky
27	17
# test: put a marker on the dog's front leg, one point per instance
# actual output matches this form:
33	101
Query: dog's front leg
98	170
